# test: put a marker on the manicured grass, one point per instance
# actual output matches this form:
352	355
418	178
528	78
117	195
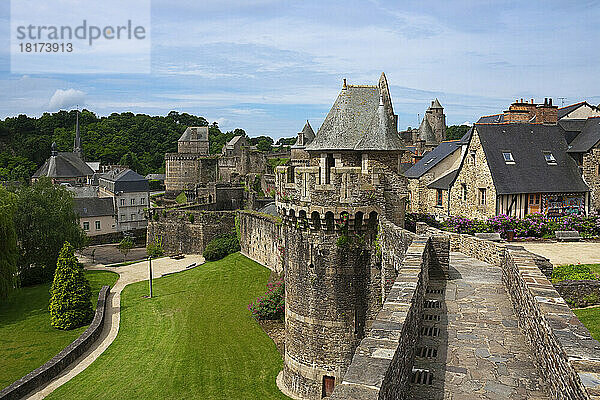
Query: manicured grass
195	340
595	268
27	340
591	319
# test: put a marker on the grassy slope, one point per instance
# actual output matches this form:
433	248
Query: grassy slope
591	319
26	338
195	339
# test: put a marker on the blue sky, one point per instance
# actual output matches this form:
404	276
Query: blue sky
267	66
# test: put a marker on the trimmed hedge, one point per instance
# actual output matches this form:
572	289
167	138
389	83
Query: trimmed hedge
221	246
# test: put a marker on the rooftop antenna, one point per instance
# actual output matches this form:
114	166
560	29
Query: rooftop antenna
418	119
562	101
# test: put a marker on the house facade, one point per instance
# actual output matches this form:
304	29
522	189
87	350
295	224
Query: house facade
96	215
131	196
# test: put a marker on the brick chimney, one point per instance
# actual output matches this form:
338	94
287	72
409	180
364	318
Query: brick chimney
546	113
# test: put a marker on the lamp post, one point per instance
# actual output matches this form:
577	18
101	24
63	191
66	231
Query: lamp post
150	269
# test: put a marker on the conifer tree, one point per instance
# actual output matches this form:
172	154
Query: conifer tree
70	303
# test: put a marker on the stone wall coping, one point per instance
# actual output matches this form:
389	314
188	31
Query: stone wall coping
62	360
263	216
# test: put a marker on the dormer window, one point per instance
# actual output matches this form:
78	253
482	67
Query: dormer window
430	160
508	157
550	160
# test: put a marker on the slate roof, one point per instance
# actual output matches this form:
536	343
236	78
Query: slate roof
491	119
308	134
94	206
467	137
432	158
360	119
155	177
126	180
588	138
270	209
436	104
64	165
444	182
530	173
426	132
194	133
231	144
567	109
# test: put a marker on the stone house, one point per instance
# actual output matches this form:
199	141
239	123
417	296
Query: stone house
333	291
96	215
429	179
517	169
130	193
585	149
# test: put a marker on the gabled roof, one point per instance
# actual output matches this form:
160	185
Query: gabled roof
194	133
530	172
362	118
444	182
567	109
64	165
124	175
588	138
491	119
432	158
231	144
94	206
126	181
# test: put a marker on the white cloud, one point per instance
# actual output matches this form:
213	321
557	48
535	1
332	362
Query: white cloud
467	123
65	99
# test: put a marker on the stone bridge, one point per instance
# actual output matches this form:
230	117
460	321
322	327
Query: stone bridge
468	318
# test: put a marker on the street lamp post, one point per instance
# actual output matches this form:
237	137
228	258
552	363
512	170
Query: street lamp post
150	268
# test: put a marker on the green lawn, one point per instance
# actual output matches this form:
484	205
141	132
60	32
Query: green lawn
591	319
27	340
195	339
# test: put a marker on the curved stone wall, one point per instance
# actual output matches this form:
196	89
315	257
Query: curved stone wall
332	292
62	360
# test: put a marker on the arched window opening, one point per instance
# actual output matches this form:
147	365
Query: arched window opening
329	221
372	220
358	221
316	220
302	219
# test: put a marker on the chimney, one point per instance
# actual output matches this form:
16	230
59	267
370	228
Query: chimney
344	86
531	101
550	102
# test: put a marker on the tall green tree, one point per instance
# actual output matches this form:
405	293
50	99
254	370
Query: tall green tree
44	220
455	132
8	243
70	294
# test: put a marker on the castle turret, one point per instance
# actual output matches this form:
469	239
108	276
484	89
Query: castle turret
330	208
433	127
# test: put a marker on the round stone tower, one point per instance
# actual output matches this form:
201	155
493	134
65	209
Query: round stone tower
330	210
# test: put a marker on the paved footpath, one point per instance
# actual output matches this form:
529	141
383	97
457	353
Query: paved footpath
471	343
561	253
127	274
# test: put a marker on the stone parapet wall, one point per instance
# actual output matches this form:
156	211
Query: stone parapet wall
62	360
187	230
382	364
260	239
582	293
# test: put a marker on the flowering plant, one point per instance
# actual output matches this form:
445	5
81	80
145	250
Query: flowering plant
271	305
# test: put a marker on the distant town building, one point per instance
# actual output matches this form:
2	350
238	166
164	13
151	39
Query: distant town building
96	215
131	196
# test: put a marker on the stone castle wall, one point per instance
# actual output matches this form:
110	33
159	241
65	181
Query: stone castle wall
188	231
381	368
591	174
260	239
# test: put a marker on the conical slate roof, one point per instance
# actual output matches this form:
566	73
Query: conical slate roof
305	137
362	118
436	104
426	133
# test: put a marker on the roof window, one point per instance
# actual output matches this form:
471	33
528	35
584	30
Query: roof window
550	160
508	157
430	160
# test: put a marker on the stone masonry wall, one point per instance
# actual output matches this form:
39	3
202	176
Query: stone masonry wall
382	364
180	235
591	174
565	352
260	239
475	174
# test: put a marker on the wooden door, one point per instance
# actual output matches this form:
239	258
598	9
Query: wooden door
533	203
328	385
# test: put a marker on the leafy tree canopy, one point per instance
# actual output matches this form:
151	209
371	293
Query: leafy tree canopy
8	243
455	132
44	220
